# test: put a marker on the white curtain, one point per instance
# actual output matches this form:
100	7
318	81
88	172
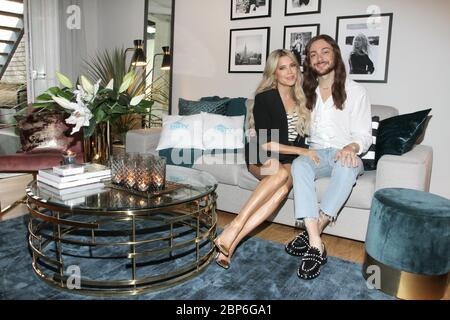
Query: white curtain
74	20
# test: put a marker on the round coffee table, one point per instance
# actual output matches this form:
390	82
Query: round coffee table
111	241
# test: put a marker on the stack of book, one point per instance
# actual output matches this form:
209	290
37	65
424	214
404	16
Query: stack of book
73	183
74	175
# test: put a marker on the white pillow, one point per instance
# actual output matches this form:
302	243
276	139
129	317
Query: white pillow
222	132
184	132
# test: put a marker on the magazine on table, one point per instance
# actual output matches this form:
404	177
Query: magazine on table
72	193
89	170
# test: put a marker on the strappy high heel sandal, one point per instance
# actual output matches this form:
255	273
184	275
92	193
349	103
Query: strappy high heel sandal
221	248
222	262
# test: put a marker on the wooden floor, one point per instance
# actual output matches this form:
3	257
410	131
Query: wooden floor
346	249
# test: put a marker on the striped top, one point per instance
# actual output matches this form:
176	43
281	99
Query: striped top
292	120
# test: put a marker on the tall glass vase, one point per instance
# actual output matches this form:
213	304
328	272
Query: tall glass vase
97	146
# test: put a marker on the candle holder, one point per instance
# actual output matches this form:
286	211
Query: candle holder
139	174
69	157
117	164
158	174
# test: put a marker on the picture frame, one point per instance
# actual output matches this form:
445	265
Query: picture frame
365	42
250	9
295	7
296	37
248	50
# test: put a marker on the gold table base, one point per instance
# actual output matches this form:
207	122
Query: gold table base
127	239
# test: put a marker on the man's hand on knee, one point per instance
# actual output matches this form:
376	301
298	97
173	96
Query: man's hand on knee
347	156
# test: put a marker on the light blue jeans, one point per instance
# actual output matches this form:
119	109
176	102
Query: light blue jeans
305	172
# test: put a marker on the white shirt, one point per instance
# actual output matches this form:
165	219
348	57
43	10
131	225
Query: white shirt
334	128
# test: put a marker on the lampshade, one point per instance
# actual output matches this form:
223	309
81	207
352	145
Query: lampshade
138	59
166	59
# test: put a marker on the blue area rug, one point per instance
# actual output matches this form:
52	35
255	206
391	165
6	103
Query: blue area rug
260	270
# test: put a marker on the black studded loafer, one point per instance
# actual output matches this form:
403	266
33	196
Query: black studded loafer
312	261
299	245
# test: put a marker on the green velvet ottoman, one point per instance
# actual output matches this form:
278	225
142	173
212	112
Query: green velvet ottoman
408	244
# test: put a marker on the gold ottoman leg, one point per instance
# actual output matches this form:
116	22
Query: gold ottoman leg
407	285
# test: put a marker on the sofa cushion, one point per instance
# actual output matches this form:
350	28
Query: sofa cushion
361	196
383	112
188	107
225	167
182	132
397	135
44	129
222	132
368	158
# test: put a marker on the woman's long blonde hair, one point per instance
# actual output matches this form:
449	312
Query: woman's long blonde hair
269	82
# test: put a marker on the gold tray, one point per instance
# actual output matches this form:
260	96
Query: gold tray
169	187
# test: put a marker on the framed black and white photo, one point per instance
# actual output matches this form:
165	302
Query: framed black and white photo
365	43
297	37
249	49
293	7
248	9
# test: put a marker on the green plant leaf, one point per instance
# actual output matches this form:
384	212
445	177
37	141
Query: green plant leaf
44	97
64	80
127	80
100	115
88	131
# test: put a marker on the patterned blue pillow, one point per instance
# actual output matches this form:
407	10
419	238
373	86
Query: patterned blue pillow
187	107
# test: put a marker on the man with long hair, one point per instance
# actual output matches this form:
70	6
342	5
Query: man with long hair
340	131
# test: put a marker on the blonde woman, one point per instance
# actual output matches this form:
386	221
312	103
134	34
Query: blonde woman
279	111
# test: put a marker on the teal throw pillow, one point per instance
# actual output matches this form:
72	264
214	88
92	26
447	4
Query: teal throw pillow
397	135
187	107
234	106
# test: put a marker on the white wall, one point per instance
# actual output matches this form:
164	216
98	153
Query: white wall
119	23
418	67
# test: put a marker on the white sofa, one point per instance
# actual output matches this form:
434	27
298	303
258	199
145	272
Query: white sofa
235	184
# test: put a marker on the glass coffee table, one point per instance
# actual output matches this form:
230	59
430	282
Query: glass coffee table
115	242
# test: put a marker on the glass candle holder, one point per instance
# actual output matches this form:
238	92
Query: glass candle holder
69	157
118	173
158	173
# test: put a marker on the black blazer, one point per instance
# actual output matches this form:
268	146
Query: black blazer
269	114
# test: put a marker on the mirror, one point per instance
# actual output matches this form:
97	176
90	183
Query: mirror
158	40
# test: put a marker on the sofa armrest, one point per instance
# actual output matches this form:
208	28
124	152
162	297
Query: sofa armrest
411	170
142	140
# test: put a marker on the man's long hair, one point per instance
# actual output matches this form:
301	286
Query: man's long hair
311	78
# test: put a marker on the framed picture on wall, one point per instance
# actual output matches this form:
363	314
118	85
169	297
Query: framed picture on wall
248	9
365	43
249	49
297	37
293	7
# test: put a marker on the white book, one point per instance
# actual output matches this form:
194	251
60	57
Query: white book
72	192
69	169
70	184
90	171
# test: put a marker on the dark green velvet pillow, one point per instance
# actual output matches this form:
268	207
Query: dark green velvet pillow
187	107
234	106
397	135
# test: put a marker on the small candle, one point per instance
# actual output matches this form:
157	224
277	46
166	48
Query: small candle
69	157
159	181
130	180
